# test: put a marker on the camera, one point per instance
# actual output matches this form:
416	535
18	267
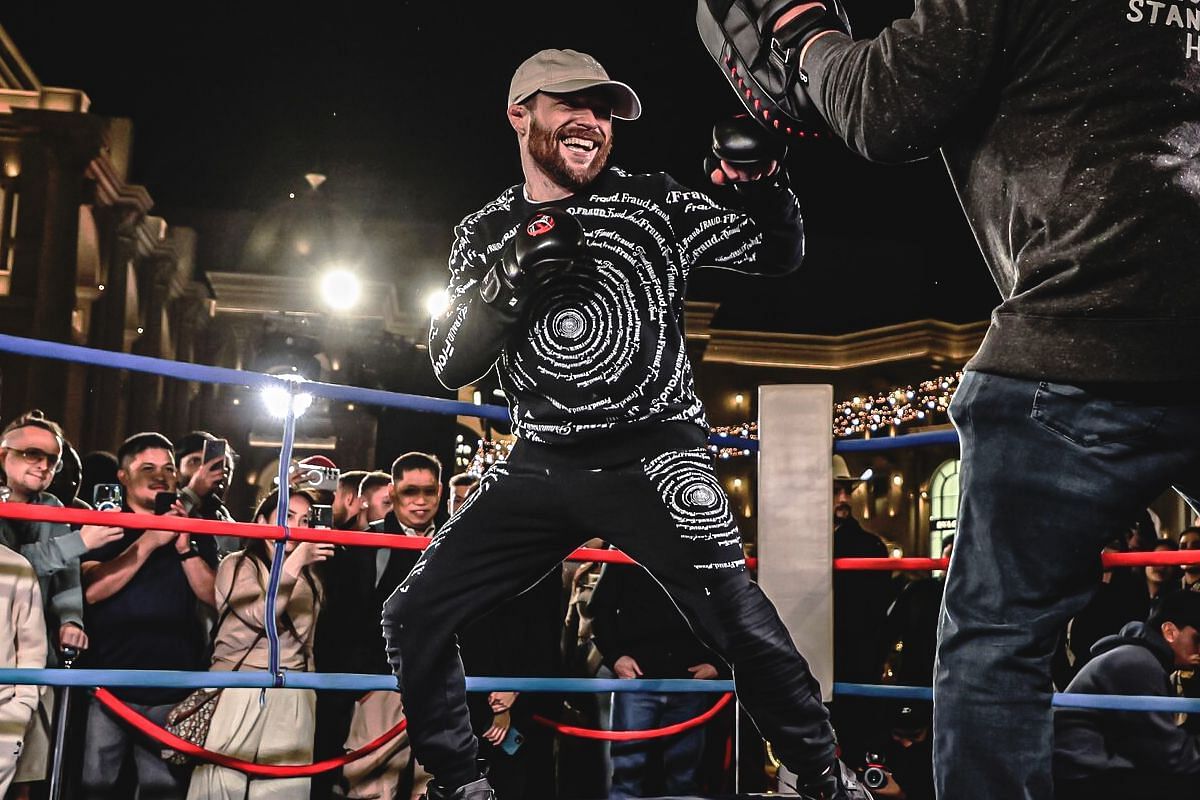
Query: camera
108	497
875	776
321	479
320	517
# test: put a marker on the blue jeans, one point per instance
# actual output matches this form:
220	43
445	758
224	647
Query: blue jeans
1049	473
675	758
108	744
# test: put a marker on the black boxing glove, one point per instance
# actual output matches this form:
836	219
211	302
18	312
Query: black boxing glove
549	239
741	142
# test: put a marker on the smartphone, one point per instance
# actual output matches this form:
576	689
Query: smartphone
215	448
512	741
320	517
108	497
163	502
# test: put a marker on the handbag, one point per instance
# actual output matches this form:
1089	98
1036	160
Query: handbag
190	720
191	717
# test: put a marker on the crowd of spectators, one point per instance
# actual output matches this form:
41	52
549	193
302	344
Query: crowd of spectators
112	597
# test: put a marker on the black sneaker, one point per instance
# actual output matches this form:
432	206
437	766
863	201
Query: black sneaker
838	782
475	790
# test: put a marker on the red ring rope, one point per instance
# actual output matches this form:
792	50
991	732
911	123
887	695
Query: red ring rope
636	736
164	737
252	530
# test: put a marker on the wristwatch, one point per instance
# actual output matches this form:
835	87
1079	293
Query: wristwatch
191	552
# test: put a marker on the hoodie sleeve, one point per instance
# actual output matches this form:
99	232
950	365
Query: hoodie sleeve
892	98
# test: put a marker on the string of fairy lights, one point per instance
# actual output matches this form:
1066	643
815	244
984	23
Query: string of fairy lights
865	415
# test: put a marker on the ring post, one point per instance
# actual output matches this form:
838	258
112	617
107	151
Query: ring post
795	509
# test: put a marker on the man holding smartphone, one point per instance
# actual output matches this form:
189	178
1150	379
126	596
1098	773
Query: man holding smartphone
205	465
143	595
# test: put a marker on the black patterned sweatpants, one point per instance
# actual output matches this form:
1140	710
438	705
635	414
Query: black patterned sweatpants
669	513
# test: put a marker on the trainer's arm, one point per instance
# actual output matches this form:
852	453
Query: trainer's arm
893	98
760	232
467	338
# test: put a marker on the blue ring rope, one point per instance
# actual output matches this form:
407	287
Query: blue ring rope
236	377
1106	702
924	439
355	394
364	683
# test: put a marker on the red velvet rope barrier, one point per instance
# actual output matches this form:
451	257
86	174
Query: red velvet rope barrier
167	739
636	736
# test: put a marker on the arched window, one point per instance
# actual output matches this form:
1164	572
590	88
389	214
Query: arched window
943	505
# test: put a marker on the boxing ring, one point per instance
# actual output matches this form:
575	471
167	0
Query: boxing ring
785	414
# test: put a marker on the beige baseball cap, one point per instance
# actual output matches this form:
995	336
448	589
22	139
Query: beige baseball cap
563	71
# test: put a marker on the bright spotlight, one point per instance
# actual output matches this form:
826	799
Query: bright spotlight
436	302
341	289
275	398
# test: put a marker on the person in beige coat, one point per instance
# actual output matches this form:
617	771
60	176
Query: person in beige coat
23	646
279	730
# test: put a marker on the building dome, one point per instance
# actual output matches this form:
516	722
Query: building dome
306	233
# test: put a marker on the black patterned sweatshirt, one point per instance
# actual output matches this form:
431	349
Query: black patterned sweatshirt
598	353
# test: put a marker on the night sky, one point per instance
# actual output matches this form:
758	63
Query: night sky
403	110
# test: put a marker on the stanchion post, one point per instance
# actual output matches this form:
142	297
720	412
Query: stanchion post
61	714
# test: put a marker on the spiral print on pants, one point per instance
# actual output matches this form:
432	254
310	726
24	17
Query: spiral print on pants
698	505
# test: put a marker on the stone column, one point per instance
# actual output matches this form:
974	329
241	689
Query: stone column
66	144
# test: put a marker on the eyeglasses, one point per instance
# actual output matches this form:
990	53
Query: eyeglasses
413	492
35	455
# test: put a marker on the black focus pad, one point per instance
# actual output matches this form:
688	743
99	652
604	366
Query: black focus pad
761	65
742	141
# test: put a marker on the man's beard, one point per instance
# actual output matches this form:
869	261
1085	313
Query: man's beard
543	148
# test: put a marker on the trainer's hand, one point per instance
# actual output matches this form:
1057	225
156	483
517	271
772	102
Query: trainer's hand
627	667
743	151
550	239
703	672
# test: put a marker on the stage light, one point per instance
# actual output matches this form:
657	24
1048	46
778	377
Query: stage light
341	289
436	302
275	399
